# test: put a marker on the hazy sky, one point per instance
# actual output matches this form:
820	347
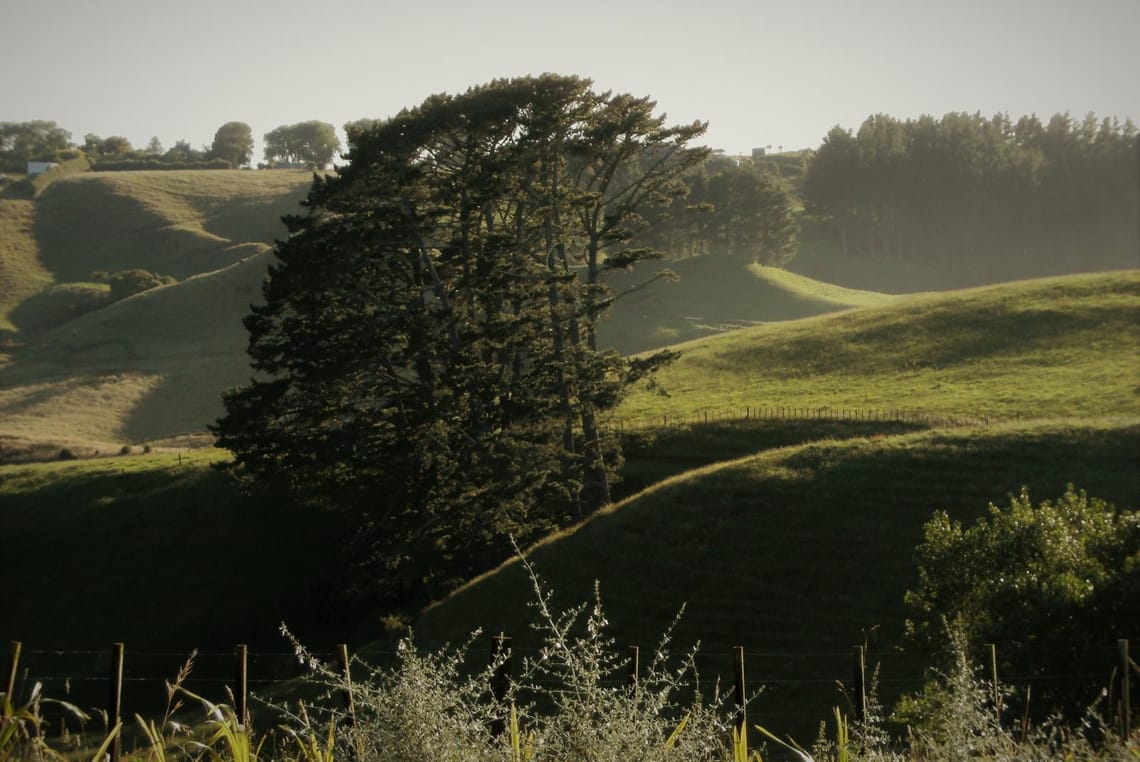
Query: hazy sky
761	72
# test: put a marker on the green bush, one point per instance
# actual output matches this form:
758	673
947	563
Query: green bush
1053	586
126	283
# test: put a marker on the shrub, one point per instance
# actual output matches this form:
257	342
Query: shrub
1053	585
571	701
126	283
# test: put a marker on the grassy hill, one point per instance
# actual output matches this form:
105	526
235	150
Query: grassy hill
1055	347
796	553
81	371
712	295
178	223
793	538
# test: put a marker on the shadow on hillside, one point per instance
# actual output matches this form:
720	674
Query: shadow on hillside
940	338
184	402
651	457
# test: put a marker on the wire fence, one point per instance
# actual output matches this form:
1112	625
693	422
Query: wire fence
739	413
87	676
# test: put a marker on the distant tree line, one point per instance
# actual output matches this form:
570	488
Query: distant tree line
992	196
309	143
21	142
731	208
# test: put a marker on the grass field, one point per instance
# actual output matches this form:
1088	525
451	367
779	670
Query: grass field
712	295
82	372
21	273
178	223
796	553
793	538
1061	347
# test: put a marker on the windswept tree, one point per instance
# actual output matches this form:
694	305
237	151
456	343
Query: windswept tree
233	142
309	142
425	346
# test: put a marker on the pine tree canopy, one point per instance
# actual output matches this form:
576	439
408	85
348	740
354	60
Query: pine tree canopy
425	350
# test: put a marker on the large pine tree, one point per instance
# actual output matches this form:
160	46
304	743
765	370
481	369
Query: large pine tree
425	350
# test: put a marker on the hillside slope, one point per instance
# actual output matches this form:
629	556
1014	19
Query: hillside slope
796	553
147	368
712	295
178	223
89	374
1025	349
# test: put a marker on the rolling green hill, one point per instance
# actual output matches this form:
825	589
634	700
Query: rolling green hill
1055	347
178	223
713	295
796	553
793	538
81	371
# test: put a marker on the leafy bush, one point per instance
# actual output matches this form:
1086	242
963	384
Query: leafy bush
570	702
1053	585
126	283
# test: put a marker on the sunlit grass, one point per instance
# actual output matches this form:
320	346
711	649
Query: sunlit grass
21	273
1051	348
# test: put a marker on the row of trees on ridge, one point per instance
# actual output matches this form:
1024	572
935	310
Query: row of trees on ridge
991	196
309	143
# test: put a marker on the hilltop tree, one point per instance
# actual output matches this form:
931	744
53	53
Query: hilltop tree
182	151
423	348
21	142
114	147
305	142
233	142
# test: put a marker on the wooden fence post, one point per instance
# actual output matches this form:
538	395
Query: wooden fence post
991	650
13	668
859	668
241	684
1125	694
346	672
739	694
501	658
115	702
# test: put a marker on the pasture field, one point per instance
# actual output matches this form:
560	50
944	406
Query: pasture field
1064	347
791	537
83	372
796	553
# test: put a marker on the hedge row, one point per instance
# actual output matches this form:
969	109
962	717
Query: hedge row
129	165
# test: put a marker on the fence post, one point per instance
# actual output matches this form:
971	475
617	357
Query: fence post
501	657
241	684
991	650
115	702
634	668
859	668
739	695
13	668
349	704
1125	694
